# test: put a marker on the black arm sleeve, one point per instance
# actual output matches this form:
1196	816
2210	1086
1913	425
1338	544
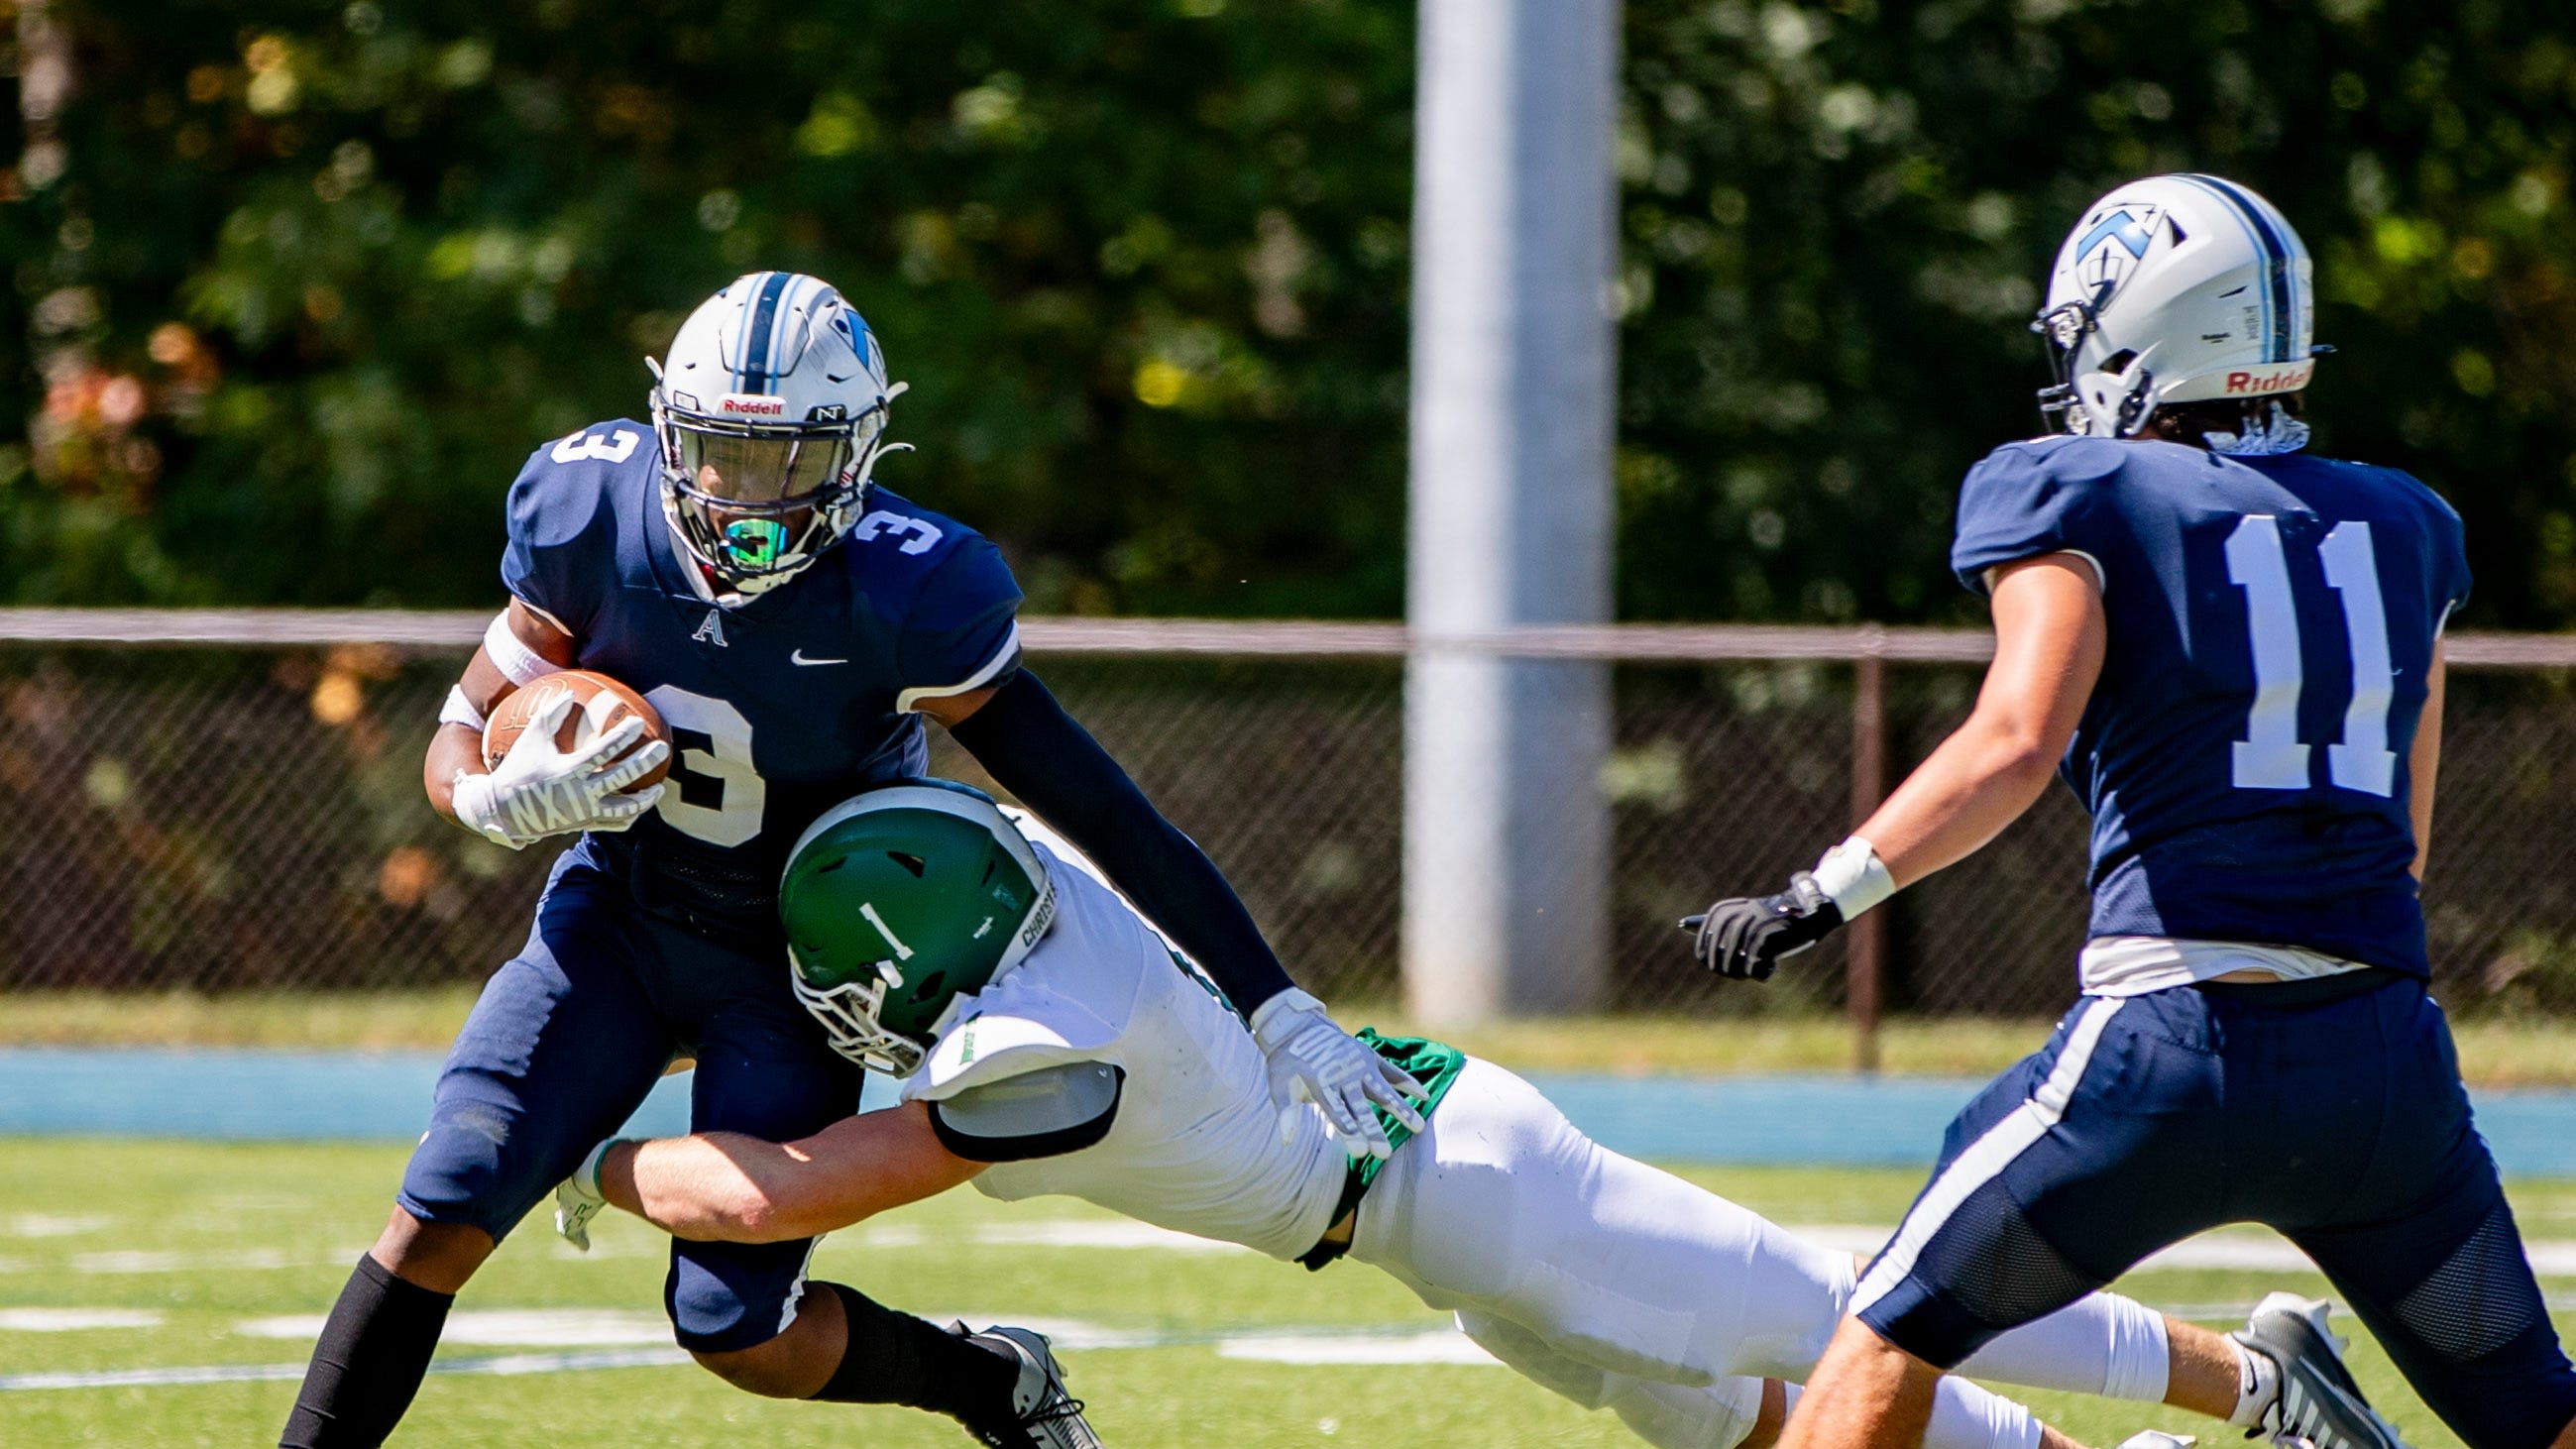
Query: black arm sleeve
1041	754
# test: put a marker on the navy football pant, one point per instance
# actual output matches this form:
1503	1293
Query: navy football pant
563	1045
2341	1123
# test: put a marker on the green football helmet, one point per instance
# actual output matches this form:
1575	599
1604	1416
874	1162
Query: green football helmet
899	901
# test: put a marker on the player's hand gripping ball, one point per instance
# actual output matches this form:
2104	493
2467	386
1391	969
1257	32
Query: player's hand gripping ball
568	751
1745	938
599	704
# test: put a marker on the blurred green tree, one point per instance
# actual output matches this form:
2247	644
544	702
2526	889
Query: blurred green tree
318	277
1838	218
308	280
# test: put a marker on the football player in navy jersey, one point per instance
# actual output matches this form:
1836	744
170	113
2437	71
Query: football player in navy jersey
2236	649
793	623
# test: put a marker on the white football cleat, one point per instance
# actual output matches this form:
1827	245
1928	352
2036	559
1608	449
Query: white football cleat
2319	1406
1049	1417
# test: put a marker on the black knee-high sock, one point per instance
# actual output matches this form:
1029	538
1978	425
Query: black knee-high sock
368	1362
895	1358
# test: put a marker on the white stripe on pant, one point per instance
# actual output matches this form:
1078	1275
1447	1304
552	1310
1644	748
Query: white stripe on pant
1624	1287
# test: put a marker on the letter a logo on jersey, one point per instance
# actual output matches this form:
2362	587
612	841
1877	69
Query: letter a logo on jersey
712	631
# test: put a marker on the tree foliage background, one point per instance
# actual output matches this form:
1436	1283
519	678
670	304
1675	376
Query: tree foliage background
301	283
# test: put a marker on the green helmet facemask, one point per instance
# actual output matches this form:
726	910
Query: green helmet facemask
901	900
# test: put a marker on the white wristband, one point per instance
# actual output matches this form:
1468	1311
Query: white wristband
1853	877
460	711
517	662
1268	1014
585	1178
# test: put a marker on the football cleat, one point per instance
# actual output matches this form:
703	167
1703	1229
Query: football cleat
1049	1417
2318	1404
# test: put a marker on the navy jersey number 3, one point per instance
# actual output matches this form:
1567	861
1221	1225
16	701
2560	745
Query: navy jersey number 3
730	559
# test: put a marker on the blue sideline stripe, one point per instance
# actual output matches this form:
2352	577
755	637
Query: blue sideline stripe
1769	1120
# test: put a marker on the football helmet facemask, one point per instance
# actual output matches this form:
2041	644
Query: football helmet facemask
2180	289
771	413
901	901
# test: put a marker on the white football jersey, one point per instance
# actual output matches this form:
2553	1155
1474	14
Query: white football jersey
1195	1146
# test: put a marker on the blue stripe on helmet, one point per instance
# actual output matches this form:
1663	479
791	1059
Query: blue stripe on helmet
751	286
2281	335
756	337
799	287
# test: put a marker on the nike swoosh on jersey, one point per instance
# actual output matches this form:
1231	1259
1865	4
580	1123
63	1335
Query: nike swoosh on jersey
798	657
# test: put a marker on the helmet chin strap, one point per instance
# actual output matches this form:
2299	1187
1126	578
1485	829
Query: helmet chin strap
2117	404
2274	433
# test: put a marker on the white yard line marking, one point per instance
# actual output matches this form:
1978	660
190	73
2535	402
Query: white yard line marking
1080	1233
503	1327
138	1260
73	1320
1441	1345
1386	1344
50	1225
250	1373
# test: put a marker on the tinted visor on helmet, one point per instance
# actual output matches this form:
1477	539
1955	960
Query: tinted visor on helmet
762	468
752	495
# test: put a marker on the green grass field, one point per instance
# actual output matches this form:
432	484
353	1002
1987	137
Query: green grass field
197	1245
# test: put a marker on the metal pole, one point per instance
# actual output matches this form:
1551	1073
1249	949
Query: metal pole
1506	831
1866	964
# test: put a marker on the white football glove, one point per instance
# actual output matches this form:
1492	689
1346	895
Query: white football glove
1312	1060
577	1201
538	790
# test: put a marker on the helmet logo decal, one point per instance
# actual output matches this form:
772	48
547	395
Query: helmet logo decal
752	405
2102	266
868	909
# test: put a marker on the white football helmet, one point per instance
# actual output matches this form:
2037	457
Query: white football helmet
2180	289
771	412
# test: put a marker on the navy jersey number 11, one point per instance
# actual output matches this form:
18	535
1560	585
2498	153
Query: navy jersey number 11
2271	756
2271	625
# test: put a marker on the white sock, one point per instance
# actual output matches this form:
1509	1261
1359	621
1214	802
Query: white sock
1965	1416
2258	1386
2101	1344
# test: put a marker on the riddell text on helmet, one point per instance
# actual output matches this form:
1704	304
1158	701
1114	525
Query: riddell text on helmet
2247	382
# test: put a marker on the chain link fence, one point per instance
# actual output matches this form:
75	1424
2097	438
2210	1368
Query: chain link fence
230	816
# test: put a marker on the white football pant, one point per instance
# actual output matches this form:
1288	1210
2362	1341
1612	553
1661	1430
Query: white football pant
1623	1287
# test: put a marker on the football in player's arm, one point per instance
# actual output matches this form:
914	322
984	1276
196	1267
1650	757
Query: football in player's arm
792	622
1050	1042
2233	651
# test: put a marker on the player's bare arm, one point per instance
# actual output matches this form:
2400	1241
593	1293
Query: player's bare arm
2048	653
544	785
2049	634
458	745
724	1186
2424	760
